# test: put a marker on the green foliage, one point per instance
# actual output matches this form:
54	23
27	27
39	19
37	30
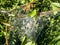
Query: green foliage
50	34
2	37
32	14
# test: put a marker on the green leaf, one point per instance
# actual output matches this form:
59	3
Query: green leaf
30	43
33	13
22	1
55	12
58	43
1	26
23	39
2	2
55	5
31	0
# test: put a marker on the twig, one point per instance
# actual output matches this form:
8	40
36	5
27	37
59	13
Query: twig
49	12
21	6
6	36
40	13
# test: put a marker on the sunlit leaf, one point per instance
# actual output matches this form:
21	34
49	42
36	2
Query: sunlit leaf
33	13
55	5
23	39
31	0
22	1
1	26
30	43
55	12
